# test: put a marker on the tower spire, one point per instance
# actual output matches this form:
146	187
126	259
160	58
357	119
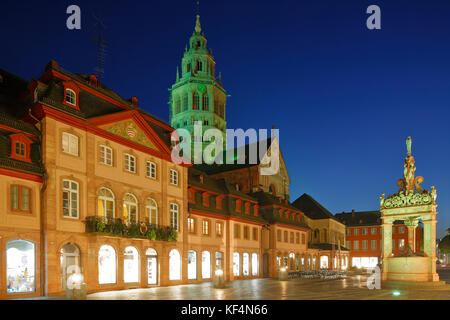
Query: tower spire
198	27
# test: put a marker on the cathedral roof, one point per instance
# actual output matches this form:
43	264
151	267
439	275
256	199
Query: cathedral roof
312	208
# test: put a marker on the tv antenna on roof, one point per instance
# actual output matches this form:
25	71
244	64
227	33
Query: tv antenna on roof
102	44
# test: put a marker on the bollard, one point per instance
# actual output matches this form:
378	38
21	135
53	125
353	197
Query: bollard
282	274
219	281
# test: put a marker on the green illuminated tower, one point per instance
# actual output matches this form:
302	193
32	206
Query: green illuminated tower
196	95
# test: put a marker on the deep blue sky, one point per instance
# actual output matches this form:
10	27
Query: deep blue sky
344	98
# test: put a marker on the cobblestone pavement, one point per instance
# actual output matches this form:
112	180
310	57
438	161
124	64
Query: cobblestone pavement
352	288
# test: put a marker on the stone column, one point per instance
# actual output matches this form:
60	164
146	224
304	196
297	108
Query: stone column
412	237
429	245
386	244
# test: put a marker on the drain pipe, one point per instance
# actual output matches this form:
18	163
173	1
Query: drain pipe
43	239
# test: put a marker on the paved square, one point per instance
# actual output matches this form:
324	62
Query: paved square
351	288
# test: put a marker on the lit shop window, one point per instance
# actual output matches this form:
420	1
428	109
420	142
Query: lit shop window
279	261
255	266
131	265
20	267
106	265
206	265
192	265
105	204
174	265
152	266
297	263
236	264
106	155
70	143
245	264
401	244
324	262
314	262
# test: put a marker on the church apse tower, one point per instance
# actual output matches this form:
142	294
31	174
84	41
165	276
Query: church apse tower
196	95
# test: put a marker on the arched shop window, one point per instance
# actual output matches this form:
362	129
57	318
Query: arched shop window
236	264
106	265
174	265
152	266
192	265
130	265
70	262
245	264
255	265
20	266
206	265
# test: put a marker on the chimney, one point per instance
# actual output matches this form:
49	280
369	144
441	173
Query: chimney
353	213
93	80
134	101
52	65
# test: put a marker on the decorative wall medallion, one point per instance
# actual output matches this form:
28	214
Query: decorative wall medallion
129	130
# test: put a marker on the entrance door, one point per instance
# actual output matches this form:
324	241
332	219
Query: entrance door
265	265
70	262
152	270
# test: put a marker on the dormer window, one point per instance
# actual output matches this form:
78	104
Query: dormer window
71	97
20	147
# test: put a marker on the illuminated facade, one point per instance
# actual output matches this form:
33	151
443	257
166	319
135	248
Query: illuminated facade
363	237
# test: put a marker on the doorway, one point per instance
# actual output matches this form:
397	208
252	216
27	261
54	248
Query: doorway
70	262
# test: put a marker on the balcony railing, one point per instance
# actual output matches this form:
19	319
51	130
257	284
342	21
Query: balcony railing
141	230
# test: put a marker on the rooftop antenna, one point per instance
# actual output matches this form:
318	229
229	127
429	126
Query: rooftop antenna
102	44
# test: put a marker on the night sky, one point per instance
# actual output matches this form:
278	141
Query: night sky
345	98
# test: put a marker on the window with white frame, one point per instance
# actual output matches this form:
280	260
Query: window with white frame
70	143
130	208
130	163
151	211
173	177
70	199
174	216
364	231
106	155
151	170
105	204
373	244
365	244
356	245
374	230
205	227
71	97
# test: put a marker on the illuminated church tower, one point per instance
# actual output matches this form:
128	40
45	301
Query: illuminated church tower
196	95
